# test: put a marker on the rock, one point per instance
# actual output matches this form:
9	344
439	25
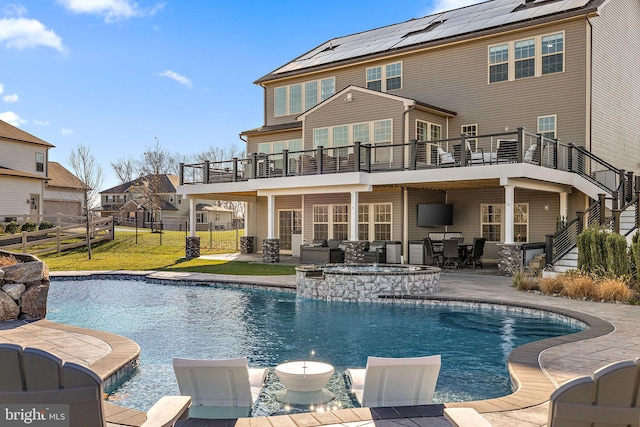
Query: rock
34	301
14	290
25	272
9	310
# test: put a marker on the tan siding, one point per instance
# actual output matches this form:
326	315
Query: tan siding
616	86
21	156
391	196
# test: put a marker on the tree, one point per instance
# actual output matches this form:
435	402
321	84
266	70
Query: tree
156	163
90	173
125	168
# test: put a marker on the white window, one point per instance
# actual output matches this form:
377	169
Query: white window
290	99
385	77
340	138
342	135
374	221
199	218
492	222
321	137
547	126
340	222
426	131
321	222
40	162
331	222
470	131
532	57
382	135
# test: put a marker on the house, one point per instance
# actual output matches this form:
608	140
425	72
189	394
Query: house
154	200
517	112
23	172
63	194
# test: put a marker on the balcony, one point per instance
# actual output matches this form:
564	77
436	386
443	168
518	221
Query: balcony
480	151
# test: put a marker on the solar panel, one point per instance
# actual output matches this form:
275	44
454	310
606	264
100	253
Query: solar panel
465	20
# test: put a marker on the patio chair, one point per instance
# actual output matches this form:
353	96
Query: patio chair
445	158
38	380
377	252
507	151
477	250
451	253
608	397
220	388
395	381
431	257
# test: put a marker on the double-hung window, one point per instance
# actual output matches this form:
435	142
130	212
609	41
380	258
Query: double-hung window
547	126
331	222
532	57
380	133
374	221
40	162
385	77
289	100
492	222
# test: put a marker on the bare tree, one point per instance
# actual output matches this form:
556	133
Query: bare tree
90	173
156	163
125	169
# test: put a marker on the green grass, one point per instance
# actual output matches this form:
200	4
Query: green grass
123	254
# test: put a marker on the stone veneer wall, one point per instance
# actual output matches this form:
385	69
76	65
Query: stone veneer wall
24	288
360	286
246	244
192	247
509	259
354	251
271	250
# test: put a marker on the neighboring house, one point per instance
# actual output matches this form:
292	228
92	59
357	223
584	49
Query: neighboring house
517	112
155	200
23	172
63	193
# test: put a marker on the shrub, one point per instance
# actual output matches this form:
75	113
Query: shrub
28	226
8	260
524	282
617	258
45	225
12	227
579	285
551	285
613	289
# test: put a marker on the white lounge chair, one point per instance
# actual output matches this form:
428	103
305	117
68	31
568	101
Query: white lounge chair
395	381
607	398
223	388
34	379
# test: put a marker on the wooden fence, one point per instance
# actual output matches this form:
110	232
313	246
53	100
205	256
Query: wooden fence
58	239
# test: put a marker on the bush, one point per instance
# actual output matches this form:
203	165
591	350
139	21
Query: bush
524	282
12	228
29	226
613	289
579	285
45	225
617	258
551	285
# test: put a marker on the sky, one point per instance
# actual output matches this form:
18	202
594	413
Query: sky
119	75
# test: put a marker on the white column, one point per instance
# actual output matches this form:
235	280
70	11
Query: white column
271	216
250	219
405	228
353	232
192	217
508	214
564	205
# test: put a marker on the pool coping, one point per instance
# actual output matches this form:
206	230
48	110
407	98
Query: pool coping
533	384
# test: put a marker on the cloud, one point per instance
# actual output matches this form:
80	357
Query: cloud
40	122
12	118
442	5
10	98
66	132
177	77
1	88
112	10
22	33
15	10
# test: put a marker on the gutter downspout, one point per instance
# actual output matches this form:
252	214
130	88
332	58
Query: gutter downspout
405	117
590	85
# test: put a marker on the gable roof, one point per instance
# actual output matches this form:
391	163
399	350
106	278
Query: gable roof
59	176
483	18
8	131
13	172
168	184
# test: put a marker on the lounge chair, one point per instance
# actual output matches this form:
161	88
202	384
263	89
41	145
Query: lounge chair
395	381
36	379
608	397
222	388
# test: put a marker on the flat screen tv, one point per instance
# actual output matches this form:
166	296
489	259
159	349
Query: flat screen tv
434	214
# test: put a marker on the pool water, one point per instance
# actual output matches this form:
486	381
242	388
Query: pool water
271	327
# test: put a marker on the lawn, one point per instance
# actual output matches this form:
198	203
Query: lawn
123	253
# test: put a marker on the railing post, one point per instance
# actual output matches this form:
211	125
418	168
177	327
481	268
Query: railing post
413	153
580	215
356	156
630	186
549	250
205	172
58	239
637	207
367	157
181	173
24	242
319	159
602	207
254	165
285	162
521	144
555	153
464	153
570	158
622	185
235	169
616	220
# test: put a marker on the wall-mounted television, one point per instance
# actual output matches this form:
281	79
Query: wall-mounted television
434	214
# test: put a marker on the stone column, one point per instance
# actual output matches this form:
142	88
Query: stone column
246	244
271	250
192	247
509	259
354	251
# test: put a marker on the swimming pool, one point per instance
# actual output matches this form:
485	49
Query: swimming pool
271	327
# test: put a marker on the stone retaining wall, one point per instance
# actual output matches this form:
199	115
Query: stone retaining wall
23	288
